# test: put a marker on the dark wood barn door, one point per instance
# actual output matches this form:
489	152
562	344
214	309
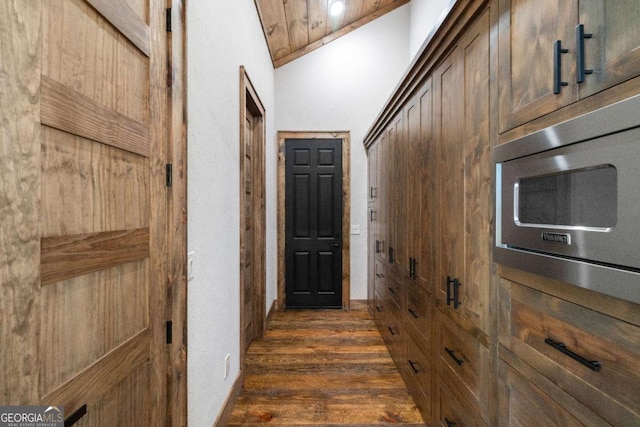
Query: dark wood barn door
313	223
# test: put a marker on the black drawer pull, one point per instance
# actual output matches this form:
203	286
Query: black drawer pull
378	309
452	353
449	423
413	366
391	330
413	313
455	299
393	291
75	417
372	215
562	348
392	255
580	70
558	50
379	275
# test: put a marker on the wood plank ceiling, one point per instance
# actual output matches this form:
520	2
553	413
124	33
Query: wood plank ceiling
296	27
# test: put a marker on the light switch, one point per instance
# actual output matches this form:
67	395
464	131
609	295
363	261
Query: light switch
355	229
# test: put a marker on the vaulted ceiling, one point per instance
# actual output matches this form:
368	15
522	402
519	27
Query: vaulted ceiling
296	27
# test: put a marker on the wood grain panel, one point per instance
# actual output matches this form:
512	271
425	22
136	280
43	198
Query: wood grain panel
108	371
120	405
317	19
83	51
19	199
121	16
64	257
70	111
89	187
87	317
275	27
296	12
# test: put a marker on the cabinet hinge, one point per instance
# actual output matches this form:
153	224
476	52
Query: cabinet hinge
169	177
168	19
169	331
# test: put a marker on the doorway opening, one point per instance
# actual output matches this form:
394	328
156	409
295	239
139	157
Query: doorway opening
307	270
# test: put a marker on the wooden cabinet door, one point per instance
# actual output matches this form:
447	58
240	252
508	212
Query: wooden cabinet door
461	89
86	307
527	32
475	47
413	183
613	51
449	172
396	248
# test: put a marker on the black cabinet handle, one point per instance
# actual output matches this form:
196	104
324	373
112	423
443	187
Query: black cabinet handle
377	246
413	313
372	215
379	275
455	299
391	330
452	353
557	67
413	366
393	291
562	348
378	309
392	255
580	70
412	268
449	423
372	192
76	416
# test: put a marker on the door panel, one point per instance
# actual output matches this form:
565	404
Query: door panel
313	211
103	211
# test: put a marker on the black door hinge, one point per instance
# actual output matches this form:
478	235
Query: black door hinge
169	331
168	18
169	175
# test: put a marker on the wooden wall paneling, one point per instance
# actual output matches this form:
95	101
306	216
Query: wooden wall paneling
177	218
20	134
296	12
276	32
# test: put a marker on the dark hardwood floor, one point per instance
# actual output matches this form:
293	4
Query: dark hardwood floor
324	367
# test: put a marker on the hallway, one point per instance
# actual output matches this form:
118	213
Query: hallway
325	367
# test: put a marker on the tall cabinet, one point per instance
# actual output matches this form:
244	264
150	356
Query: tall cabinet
468	335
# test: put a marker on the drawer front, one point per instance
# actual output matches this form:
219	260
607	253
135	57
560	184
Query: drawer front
463	362
419	312
451	412
521	403
394	290
380	279
593	357
419	375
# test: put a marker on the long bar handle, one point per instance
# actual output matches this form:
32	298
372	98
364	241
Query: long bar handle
452	353
562	348
580	70
557	67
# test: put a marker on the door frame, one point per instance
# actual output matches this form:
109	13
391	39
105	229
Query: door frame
249	100
345	136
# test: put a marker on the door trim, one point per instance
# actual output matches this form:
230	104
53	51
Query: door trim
345	136
249	100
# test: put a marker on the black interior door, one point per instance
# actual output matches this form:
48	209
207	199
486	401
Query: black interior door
313	223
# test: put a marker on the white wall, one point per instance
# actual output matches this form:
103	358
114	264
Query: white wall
343	86
424	15
222	35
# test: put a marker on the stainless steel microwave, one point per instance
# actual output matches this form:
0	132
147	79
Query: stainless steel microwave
568	201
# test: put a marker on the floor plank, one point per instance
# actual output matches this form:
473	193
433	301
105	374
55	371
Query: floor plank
323	367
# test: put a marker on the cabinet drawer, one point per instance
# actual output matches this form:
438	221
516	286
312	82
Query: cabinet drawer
593	357
394	289
451	412
463	362
379	277
419	376
521	403
419	313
